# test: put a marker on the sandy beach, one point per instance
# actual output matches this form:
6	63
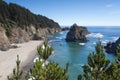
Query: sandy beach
26	52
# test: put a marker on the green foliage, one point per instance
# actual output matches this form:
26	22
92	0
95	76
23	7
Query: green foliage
118	56
44	70
22	17
44	51
112	73
99	68
50	71
17	73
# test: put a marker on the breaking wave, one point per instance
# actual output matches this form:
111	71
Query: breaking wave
95	35
115	38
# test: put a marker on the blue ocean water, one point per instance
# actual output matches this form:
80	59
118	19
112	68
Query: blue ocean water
76	54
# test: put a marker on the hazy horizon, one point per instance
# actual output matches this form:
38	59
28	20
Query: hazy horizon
82	12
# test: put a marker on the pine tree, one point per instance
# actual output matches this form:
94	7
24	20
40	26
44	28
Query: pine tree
118	56
113	72
44	70
97	65
17	73
44	51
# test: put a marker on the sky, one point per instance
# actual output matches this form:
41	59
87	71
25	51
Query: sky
82	12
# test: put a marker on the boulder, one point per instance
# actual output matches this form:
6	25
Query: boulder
111	47
65	29
77	34
4	42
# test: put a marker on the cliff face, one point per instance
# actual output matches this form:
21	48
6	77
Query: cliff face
18	25
77	34
4	42
19	36
42	32
112	47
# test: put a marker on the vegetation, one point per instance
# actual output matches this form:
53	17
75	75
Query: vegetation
17	73
44	51
100	68
49	71
42	70
13	15
118	56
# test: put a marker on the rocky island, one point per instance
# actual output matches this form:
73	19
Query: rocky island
111	47
77	34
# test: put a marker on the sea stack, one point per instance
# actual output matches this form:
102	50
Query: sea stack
77	34
111	47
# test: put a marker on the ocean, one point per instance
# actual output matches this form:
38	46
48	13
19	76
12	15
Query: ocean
76	53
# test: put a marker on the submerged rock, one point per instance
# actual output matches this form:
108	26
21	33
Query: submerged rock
111	47
77	34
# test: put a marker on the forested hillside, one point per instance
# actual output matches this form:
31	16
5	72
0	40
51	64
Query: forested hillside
13	14
18	24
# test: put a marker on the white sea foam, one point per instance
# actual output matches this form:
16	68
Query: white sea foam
95	35
53	52
115	38
81	65
81	44
61	32
59	37
105	41
55	40
94	43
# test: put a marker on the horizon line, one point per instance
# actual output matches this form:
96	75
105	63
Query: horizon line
93	25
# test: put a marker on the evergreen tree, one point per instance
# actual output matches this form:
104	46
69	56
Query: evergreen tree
97	65
44	51
118	56
50	71
44	70
113	72
17	73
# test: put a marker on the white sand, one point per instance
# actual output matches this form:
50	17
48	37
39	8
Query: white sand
26	51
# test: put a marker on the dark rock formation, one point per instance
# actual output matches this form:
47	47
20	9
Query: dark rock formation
77	34
4	42
111	47
65	29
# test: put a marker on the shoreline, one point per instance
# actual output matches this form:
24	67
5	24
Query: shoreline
26	51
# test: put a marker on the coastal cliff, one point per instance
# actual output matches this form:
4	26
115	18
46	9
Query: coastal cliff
77	34
18	25
111	47
4	42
